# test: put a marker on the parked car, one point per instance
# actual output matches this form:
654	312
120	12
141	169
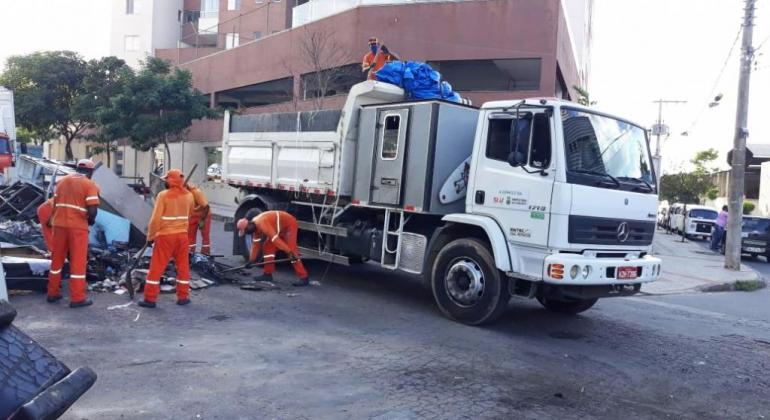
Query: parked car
662	217
755	237
214	171
674	212
697	221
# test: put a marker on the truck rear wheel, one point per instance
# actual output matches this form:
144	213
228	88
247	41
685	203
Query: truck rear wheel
467	286
570	307
243	244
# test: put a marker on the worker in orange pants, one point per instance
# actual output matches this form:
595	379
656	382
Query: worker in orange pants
167	232
44	212
279	229
200	219
75	201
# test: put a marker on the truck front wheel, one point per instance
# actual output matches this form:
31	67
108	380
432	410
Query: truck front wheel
467	286
570	307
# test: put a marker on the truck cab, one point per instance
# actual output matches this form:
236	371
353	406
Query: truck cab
540	198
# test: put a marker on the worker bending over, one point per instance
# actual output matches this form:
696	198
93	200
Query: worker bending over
277	229
75	201
200	219
168	232
44	212
376	58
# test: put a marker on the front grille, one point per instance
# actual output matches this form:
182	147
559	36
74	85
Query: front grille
703	227
604	231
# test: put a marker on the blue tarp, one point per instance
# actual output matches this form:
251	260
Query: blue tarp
419	80
112	226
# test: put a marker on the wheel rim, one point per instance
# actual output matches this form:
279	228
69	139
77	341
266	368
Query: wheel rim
464	281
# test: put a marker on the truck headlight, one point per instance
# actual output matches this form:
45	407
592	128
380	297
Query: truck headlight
573	272
586	271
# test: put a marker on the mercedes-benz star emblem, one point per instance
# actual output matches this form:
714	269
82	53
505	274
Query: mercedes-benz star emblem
623	232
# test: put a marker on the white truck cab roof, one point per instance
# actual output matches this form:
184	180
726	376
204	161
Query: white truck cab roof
551	101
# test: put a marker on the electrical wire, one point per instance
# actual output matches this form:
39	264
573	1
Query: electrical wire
718	79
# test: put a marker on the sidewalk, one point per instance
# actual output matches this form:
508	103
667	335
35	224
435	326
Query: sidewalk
688	267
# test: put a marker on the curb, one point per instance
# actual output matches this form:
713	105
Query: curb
748	285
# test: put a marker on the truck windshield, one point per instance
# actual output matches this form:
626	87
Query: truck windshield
599	148
703	214
751	224
4	147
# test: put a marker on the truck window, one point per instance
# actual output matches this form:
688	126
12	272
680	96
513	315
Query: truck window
500	138
390	131
4	147
540	156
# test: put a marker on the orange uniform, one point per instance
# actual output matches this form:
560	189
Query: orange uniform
44	212
201	211
374	62
72	197
280	231
168	229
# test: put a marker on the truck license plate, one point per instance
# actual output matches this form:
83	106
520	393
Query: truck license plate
626	273
753	249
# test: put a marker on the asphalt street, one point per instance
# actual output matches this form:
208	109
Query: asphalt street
370	344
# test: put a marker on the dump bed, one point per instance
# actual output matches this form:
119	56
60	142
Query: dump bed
313	151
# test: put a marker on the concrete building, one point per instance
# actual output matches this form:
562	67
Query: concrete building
261	55
140	27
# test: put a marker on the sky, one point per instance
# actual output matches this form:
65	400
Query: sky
34	25
644	50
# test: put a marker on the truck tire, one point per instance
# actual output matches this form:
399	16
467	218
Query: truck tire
244	244
467	286
570	307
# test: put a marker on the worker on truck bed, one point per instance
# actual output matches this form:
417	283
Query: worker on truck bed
44	212
201	219
277	229
75	201
376	58
168	232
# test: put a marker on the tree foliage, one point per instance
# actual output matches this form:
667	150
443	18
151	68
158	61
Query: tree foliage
584	98
46	85
689	187
152	105
748	207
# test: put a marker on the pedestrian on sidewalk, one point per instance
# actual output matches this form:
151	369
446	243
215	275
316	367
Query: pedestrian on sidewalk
167	232
719	229
75	201
280	231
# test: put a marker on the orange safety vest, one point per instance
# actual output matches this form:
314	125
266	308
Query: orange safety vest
171	215
200	202
73	194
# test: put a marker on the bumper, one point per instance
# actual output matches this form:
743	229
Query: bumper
603	271
753	248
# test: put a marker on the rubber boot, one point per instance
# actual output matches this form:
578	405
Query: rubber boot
301	282
145	304
53	299
81	304
183	302
265	277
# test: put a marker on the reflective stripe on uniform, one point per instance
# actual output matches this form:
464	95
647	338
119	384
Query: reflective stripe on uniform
277	223
183	281
273	238
174	217
55	271
205	246
152	281
270	256
77	276
92	197
70	206
253	240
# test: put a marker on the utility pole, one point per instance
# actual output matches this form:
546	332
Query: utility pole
658	130
736	187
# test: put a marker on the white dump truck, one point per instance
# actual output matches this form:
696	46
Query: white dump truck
539	198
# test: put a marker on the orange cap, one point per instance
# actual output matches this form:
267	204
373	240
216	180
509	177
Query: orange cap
241	226
174	178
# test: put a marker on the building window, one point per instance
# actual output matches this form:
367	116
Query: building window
231	40
131	43
266	93
336	81
491	75
257	34
390	132
190	16
209	8
233	4
133	7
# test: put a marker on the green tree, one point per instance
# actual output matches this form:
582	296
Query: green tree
748	207
689	187
584	98
45	86
104	79
154	104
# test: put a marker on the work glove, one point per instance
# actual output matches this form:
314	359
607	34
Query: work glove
201	224
293	257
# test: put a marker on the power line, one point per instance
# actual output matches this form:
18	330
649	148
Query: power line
718	79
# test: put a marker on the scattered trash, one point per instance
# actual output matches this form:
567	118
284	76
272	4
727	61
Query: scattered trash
125	305
292	294
558	395
252	286
315	283
201	283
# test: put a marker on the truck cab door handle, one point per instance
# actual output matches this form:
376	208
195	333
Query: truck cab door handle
479	198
